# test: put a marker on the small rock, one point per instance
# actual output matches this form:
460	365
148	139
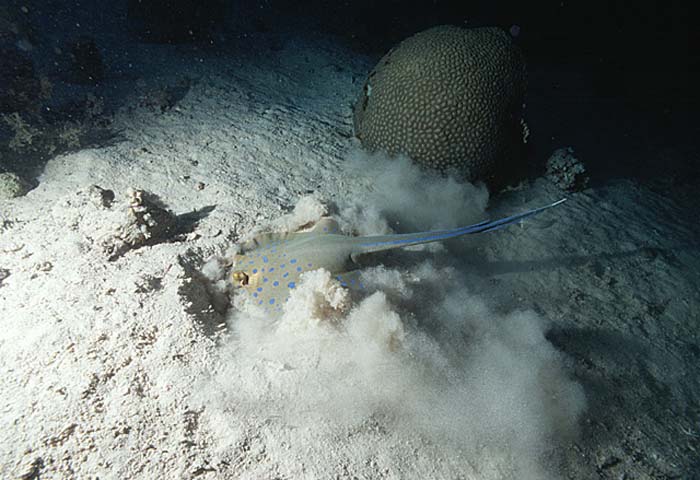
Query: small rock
101	197
4	273
567	171
12	186
44	267
147	221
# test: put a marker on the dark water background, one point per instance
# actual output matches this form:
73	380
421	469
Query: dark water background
623	74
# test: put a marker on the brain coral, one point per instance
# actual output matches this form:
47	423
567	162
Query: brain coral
450	98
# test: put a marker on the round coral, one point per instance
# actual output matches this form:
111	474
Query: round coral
451	99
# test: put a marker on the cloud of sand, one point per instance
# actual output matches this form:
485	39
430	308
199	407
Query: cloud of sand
400	195
417	363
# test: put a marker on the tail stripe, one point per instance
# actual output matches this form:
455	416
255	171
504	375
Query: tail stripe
433	236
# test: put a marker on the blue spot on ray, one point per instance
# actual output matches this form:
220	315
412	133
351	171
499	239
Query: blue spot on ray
259	289
293	260
255	270
275	283
292	285
286	274
272	301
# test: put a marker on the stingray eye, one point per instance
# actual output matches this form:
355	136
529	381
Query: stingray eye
240	277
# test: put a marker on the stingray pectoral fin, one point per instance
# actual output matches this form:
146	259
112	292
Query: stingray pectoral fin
326	225
386	242
268	239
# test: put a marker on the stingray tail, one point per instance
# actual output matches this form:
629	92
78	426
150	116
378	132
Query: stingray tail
386	242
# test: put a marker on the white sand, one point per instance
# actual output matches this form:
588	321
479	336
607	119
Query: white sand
133	368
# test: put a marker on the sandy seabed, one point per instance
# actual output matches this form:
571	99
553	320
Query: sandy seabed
566	347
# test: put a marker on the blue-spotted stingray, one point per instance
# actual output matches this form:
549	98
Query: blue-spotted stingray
269	266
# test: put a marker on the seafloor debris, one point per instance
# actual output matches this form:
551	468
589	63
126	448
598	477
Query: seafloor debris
148	220
567	171
4	273
101	197
11	186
